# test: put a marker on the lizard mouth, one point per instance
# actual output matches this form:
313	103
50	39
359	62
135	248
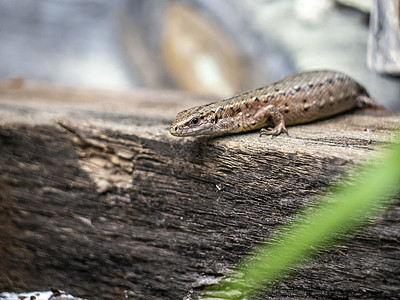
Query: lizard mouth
176	131
203	129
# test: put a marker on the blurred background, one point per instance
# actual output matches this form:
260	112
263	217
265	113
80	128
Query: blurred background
211	47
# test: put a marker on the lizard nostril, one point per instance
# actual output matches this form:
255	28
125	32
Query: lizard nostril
176	128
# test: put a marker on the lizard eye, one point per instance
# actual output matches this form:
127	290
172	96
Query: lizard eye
195	120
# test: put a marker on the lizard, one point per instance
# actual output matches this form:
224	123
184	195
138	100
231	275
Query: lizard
296	99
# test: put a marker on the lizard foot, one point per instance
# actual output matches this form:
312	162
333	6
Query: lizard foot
277	130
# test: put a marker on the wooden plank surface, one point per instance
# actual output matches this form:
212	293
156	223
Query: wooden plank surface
99	200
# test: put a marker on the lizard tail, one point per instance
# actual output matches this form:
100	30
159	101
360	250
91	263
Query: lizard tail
365	101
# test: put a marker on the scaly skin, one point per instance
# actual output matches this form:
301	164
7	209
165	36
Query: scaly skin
296	99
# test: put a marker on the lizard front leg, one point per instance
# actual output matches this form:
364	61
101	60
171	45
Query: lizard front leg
270	114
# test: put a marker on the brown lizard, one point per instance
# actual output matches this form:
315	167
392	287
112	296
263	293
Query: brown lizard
296	99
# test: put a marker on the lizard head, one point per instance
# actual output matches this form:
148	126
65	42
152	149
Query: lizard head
199	120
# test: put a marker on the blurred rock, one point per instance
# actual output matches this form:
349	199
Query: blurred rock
384	38
47	295
201	46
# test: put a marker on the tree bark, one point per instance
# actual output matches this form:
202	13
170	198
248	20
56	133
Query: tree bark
97	199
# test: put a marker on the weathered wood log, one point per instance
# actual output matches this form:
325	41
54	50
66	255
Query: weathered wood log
97	199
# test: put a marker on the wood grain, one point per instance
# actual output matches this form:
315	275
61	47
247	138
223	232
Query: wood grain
99	200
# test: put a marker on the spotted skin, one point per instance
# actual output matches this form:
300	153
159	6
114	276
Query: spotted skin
296	99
